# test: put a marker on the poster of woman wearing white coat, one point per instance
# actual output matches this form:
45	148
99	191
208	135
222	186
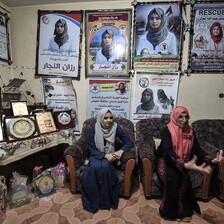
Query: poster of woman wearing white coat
59	43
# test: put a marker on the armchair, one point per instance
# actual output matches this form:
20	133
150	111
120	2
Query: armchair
147	134
210	135
147	140
77	154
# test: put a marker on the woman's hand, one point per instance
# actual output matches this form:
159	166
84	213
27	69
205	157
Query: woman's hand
110	157
203	168
219	157
118	154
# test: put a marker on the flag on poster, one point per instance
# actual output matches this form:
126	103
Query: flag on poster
111	93
154	95
59	94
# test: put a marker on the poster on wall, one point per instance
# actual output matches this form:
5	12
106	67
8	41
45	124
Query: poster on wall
108	43
59	43
60	95
154	95
157	37
4	39
111	93
207	40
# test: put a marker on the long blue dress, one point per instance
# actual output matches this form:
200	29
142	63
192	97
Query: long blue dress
100	189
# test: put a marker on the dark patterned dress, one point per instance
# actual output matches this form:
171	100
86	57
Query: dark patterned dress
178	199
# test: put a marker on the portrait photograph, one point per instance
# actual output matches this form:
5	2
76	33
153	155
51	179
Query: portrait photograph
59	43
108	43
157	37
207	40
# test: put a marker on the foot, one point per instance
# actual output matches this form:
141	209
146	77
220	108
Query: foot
187	219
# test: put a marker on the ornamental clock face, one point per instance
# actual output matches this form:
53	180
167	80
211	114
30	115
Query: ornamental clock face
22	128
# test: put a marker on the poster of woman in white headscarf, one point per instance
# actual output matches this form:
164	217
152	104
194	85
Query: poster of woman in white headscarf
59	43
108	43
157	37
154	94
207	40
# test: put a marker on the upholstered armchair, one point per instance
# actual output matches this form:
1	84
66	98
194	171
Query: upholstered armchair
147	140
77	154
147	136
210	135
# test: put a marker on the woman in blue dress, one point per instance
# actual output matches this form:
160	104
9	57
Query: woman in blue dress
100	189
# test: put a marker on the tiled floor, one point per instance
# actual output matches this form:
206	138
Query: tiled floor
65	208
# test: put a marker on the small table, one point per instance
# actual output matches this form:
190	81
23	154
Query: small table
24	155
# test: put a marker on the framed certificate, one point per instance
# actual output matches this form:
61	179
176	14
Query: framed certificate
45	122
19	108
63	119
21	127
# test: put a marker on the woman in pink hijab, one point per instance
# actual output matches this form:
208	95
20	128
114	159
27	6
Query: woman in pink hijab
177	154
217	41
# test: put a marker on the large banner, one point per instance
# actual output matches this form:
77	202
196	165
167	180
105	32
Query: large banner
4	39
154	95
59	95
108	43
111	93
207	41
157	37
59	43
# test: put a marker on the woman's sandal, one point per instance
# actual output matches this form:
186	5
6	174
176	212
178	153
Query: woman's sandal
187	219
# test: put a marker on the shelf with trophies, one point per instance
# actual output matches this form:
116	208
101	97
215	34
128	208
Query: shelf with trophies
32	138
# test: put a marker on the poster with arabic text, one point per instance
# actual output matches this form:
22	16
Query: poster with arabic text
60	95
154	95
59	43
207	39
110	93
108	43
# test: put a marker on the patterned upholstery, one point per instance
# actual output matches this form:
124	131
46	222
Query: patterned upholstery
78	153
210	134
146	132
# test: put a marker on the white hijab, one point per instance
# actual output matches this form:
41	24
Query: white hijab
102	133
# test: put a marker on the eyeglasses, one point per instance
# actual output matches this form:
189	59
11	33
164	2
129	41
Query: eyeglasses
182	117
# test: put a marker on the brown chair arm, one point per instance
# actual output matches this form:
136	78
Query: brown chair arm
71	172
128	176
78	151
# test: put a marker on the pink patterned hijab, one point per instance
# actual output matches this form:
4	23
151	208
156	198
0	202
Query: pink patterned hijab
182	138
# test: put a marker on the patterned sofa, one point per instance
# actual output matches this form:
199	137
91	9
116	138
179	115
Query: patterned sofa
210	134
77	154
147	139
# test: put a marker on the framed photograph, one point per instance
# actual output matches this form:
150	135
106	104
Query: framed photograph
19	108
1	129
63	119
206	39
21	127
4	39
59	43
45	122
108	42
157	37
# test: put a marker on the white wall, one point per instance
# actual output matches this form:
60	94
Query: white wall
198	92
